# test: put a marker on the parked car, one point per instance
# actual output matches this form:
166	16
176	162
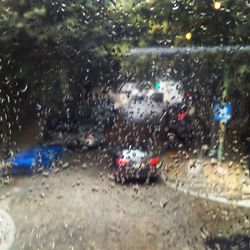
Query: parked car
142	109
102	112
98	113
167	109
85	136
34	160
180	109
179	121
172	91
157	97
90	137
135	163
129	88
83	129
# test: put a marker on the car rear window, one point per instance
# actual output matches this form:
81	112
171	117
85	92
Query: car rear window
136	154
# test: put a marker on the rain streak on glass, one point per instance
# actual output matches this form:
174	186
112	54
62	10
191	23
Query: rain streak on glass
124	124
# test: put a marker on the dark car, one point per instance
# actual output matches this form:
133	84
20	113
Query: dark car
90	136
102	112
157	97
164	117
135	163
84	136
179	121
99	113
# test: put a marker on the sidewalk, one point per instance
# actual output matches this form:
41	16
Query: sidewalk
228	183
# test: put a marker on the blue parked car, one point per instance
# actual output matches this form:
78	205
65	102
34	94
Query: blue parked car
35	160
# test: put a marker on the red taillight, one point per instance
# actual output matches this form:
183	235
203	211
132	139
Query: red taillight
121	162
181	116
154	161
187	94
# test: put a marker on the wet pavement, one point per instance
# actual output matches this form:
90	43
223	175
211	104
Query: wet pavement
81	207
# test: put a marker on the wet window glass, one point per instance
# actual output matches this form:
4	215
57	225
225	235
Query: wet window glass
124	124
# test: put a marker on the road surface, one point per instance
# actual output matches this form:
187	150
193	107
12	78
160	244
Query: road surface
80	207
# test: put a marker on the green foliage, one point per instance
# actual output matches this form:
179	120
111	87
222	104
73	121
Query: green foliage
50	44
192	23
166	22
51	51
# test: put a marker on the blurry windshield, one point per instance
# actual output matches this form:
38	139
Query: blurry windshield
81	80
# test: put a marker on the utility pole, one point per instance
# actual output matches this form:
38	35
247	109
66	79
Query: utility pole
222	124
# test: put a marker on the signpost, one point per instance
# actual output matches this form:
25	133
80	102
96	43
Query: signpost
223	113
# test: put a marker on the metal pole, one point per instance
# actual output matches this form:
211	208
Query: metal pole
222	136
223	126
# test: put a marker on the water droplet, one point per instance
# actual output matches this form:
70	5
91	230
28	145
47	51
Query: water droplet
24	89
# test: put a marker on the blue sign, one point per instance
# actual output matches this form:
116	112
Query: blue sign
223	112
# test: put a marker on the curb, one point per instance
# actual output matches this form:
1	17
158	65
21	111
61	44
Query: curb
222	200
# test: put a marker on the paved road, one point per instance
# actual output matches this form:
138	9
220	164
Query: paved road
81	208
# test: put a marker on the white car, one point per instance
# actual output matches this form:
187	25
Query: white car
128	87
172	91
124	94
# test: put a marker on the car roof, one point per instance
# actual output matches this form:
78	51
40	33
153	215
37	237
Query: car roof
128	87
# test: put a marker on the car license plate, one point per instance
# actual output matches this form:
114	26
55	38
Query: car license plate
138	165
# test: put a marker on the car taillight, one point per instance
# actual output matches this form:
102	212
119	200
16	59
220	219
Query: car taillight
154	161
187	94
121	162
181	116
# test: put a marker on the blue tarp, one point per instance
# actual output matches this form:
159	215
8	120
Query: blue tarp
35	159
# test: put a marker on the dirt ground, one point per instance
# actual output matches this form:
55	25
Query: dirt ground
81	207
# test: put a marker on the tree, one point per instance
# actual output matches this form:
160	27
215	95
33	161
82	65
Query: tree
61	49
51	52
214	77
